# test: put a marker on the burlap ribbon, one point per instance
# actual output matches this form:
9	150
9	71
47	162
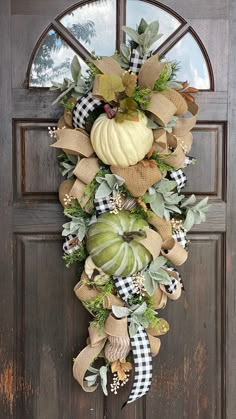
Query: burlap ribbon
138	178
108	65
150	72
174	252
163	227
74	141
184	125
85	172
113	327
152	242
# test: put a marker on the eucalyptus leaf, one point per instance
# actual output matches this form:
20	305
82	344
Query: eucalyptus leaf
133	328
125	50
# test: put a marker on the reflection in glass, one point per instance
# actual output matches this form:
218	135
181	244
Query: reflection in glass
99	17
193	67
52	61
137	9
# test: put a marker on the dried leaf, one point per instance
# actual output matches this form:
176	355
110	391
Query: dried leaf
109	85
129	81
127	111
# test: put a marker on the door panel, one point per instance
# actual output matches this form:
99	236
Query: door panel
43	326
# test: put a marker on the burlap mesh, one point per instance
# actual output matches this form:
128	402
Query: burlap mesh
138	178
163	227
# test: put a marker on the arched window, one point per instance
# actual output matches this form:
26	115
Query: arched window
95	27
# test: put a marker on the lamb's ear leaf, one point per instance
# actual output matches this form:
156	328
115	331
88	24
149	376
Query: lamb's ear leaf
131	33
189	221
75	68
190	201
120	312
149	284
103	375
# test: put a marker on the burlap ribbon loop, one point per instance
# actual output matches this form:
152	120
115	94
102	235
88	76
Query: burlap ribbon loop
177	158
152	242
108	65
177	99
150	72
85	172
185	124
161	109
174	252
74	141
113	327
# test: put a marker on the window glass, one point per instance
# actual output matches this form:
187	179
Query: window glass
94	26
193	67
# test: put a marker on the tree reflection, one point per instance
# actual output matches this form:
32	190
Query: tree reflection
52	61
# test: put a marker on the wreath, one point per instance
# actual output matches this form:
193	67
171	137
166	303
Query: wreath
125	137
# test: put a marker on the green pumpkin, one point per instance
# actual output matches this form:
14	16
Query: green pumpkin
113	243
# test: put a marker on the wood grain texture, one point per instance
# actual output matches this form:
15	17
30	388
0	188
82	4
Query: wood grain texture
187	374
230	375
51	329
36	169
7	382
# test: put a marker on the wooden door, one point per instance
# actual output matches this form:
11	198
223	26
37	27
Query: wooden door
43	326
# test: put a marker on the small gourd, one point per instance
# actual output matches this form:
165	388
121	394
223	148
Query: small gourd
121	143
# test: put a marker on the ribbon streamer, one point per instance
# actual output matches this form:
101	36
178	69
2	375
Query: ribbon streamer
142	364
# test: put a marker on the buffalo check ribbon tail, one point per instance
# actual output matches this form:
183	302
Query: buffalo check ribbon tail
142	365
140	347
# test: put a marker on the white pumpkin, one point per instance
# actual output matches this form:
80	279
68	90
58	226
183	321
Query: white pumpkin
121	144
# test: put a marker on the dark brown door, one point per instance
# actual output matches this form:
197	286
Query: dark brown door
42	324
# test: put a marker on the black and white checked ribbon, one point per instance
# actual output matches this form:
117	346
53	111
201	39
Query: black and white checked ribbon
142	364
125	287
103	205
139	344
83	108
71	244
137	60
180	179
189	160
180	237
174	281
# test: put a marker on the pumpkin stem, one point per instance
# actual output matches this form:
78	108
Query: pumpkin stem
109	111
130	235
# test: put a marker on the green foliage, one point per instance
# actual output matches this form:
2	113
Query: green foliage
162	200
127	111
195	212
155	274
167	77
75	210
160	163
77	256
139	212
95	306
90	189
142	96
75	87
92	72
67	163
144	37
